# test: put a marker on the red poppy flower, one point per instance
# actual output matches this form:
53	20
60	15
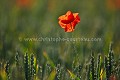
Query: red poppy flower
113	4
24	3
69	21
112	77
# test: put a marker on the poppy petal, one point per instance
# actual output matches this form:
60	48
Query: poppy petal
62	24
73	24
67	18
69	28
75	14
62	17
70	16
77	18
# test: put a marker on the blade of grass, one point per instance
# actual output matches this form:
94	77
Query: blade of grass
52	75
73	76
48	59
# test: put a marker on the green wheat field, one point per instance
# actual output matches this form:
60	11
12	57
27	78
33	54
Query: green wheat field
33	46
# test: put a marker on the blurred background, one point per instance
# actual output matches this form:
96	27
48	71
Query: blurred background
20	19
